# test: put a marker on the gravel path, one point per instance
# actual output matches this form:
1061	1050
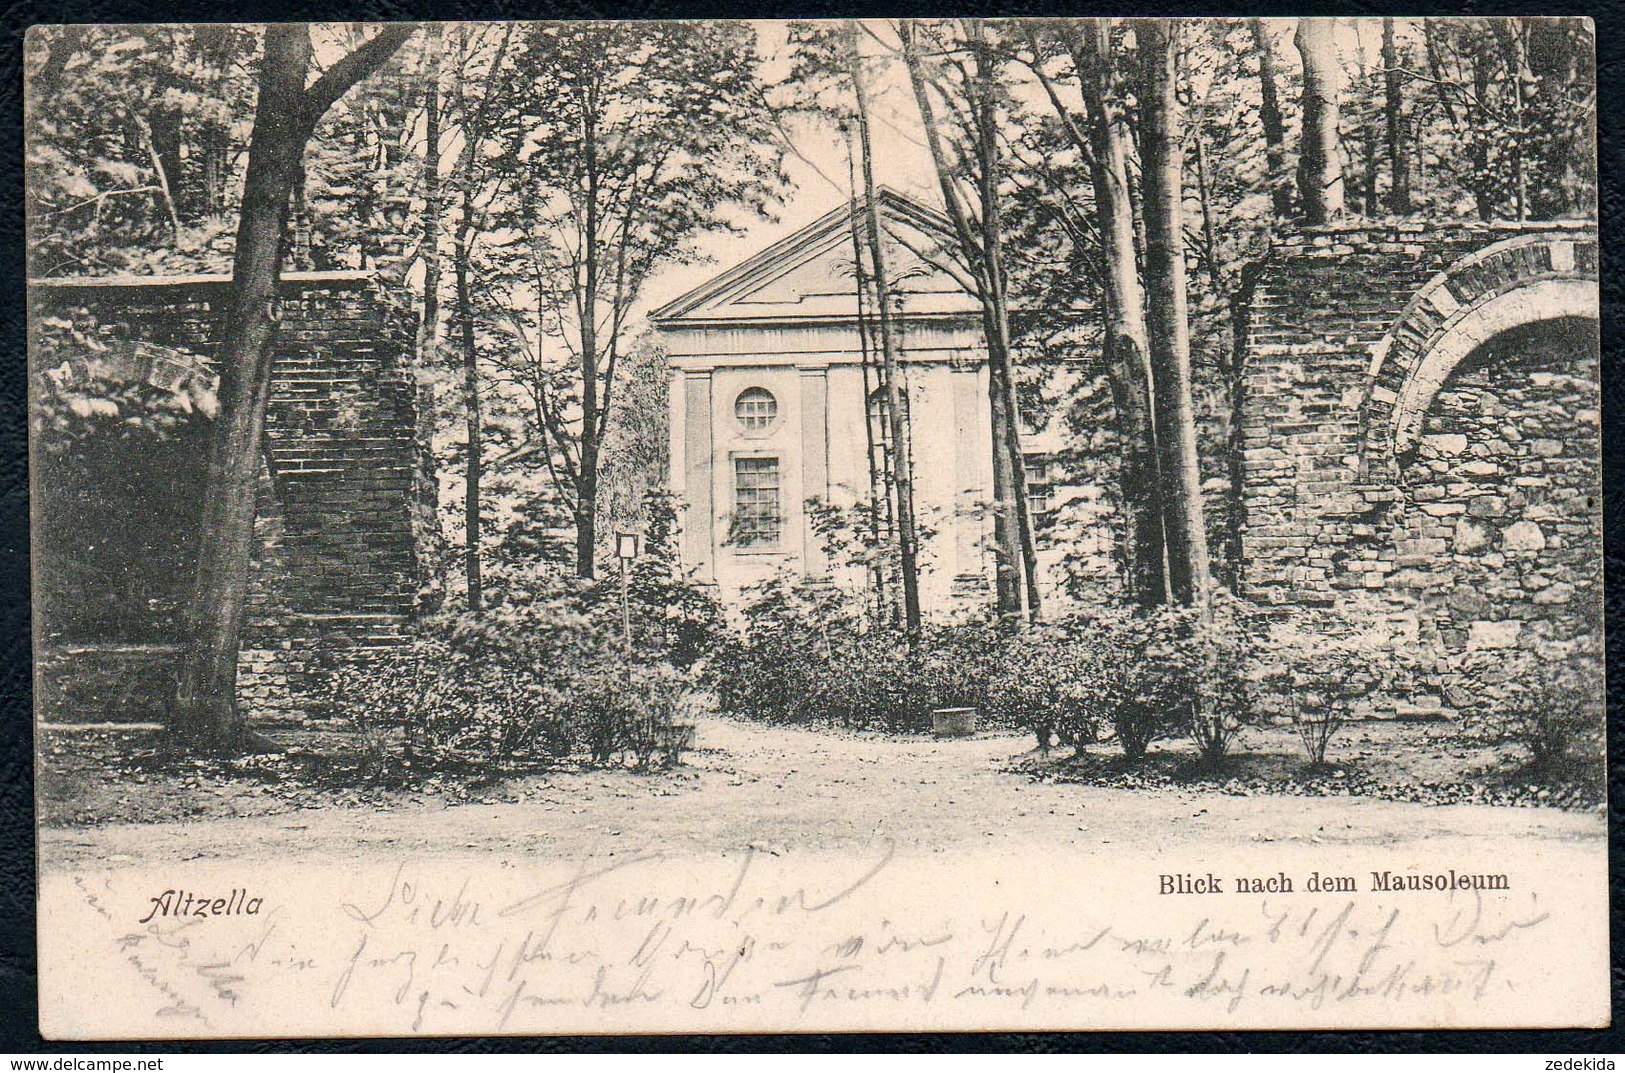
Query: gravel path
779	787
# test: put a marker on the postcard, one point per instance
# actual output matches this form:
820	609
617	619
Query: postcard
884	525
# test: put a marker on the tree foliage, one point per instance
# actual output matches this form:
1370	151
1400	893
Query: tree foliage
618	146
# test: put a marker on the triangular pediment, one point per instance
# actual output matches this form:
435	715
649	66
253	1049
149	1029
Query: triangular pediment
810	276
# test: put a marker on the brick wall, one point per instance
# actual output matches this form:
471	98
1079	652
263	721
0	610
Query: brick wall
337	570
1457	496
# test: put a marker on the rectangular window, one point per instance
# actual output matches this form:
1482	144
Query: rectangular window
1040	492
756	502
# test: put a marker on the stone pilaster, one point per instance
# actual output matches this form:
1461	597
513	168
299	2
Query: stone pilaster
699	524
814	458
969	407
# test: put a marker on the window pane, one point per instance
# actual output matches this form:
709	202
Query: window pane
756	501
756	408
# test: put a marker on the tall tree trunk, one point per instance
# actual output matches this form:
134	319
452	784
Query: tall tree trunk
996	300
1240	302
1161	154
205	709
1366	184
1393	108
587	475
877	571
428	336
1269	117
205	699
1320	159
1204	201
61	43
1006	529
163	138
1369	179
473	463
1009	506
1482	182
431	538
165	168
1126	347
216	52
901	468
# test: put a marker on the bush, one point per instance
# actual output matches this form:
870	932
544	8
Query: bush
1325	664
1169	670
454	711
1219	648
861	680
1563	711
1144	691
624	711
486	713
1048	680
539	675
809	654
1552	707
1317	687
770	671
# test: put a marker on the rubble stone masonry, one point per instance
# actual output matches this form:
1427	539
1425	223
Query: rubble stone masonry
1422	427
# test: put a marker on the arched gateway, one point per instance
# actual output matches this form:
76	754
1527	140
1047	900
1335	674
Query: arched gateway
1422	426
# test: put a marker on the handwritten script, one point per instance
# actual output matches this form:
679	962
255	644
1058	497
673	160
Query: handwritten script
754	941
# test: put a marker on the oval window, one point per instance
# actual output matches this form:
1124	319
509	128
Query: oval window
756	409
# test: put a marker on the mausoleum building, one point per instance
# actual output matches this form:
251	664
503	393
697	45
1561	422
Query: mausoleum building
777	404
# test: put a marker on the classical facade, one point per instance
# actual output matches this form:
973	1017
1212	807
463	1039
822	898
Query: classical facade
776	405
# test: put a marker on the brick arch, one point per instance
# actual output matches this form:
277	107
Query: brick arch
1522	280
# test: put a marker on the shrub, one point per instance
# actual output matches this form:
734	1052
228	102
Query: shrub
801	656
1563	711
485	712
1156	673
1048	680
625	710
953	666
770	671
809	653
1218	648
1144	691
541	673
1159	675
1552	707
455	711
1324	664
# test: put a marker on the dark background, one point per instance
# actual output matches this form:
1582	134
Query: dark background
18	995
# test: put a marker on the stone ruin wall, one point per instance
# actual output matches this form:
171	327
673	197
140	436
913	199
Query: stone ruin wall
1472	525
337	570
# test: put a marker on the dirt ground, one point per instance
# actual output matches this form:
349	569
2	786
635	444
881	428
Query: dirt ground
744	785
